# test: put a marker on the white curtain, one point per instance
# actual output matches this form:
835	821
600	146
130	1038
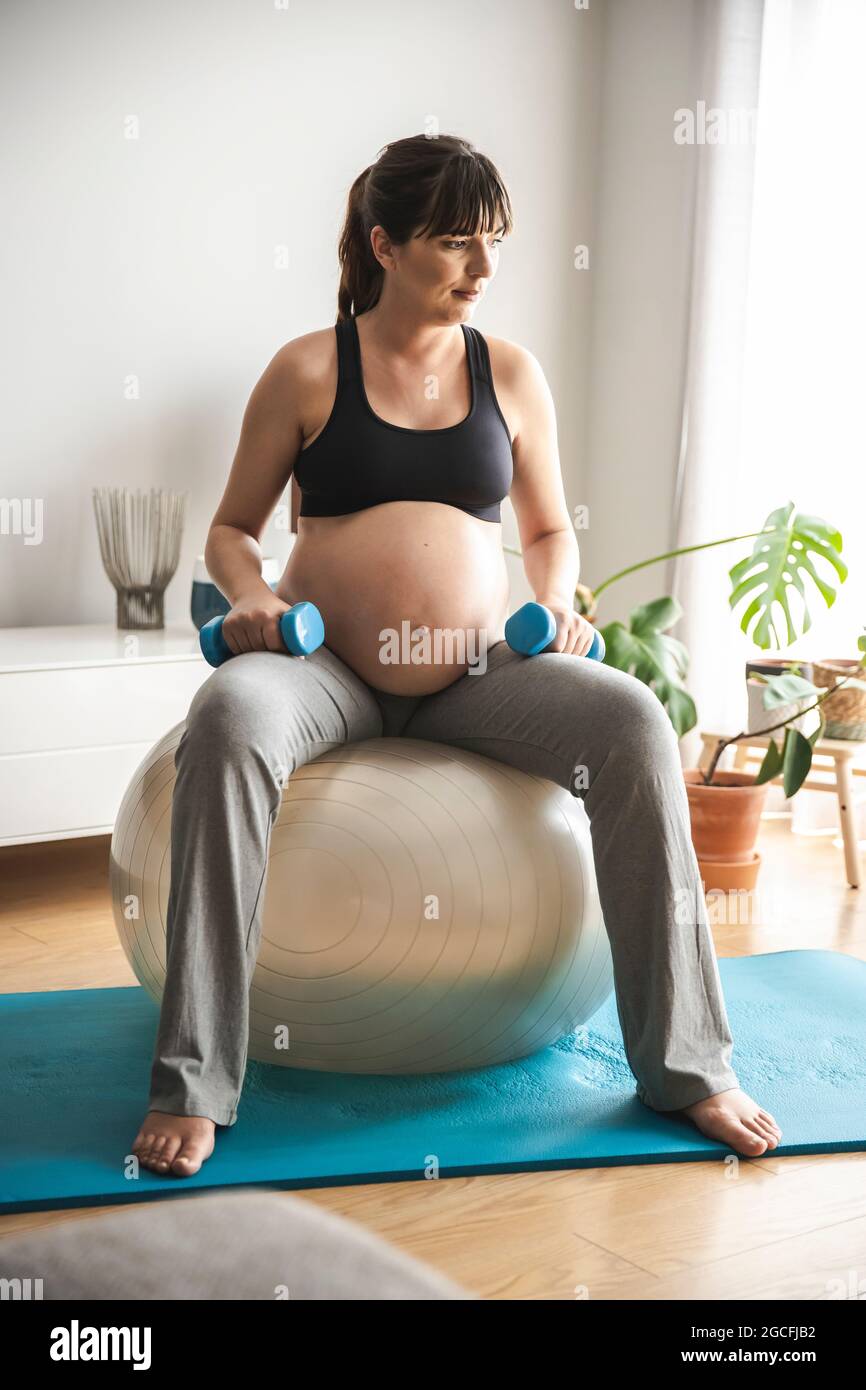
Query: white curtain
711	501
773	407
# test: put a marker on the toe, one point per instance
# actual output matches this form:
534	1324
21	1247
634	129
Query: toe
194	1150
158	1153
753	1143
770	1133
152	1155
169	1151
769	1120
188	1161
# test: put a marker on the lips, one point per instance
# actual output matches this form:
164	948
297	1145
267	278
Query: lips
469	294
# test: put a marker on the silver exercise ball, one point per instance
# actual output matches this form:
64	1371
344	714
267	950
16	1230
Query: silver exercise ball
426	909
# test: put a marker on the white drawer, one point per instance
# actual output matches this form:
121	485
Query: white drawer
47	795
78	707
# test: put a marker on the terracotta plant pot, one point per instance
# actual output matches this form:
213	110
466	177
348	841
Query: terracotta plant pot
720	876
725	815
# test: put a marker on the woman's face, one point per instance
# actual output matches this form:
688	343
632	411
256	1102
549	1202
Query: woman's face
442	277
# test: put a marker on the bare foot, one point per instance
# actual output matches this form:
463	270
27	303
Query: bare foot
734	1118
174	1143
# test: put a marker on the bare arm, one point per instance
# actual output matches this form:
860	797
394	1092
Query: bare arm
268	447
551	557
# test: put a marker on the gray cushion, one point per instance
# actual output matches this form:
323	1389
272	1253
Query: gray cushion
236	1245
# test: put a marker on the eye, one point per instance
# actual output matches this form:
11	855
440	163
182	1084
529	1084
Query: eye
458	245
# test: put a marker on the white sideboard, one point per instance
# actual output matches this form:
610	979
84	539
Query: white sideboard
80	706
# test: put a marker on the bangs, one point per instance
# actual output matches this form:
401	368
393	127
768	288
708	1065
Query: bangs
469	198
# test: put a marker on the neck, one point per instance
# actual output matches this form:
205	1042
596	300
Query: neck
399	330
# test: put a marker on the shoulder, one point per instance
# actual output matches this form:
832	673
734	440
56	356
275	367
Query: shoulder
514	363
519	382
305	360
300	381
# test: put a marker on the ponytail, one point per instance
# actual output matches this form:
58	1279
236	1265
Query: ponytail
361	274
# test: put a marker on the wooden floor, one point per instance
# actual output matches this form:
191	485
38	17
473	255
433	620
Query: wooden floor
769	1228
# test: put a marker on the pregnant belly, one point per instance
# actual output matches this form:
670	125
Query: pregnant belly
411	593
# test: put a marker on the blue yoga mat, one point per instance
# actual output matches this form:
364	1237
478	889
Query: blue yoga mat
75	1066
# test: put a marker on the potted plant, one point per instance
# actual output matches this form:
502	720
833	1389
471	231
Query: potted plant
726	806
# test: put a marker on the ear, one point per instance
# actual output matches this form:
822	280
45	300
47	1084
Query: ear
382	247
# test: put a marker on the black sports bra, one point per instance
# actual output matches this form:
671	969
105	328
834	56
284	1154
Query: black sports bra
359	460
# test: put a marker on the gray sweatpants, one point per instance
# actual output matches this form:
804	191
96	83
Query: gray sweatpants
601	734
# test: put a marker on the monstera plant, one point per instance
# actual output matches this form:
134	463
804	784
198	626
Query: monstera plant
782	558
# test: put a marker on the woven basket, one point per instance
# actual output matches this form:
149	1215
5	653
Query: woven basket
844	712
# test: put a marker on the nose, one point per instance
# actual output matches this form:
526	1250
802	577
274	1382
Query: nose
483	263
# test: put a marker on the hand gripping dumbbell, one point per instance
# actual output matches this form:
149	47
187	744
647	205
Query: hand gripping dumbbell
533	627
529	631
301	629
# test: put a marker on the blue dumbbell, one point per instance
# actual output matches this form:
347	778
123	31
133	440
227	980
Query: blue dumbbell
533	627
301	629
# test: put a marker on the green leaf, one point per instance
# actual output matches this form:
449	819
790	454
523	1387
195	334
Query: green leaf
656	616
796	760
772	764
818	731
680	707
781	558
783	690
644	650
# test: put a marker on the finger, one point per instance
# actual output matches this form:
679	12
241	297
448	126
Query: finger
572	643
269	638
557	642
272	638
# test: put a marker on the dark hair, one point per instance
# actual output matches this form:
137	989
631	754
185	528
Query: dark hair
417	186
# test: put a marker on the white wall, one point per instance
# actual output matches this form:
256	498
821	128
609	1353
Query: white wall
154	257
643	223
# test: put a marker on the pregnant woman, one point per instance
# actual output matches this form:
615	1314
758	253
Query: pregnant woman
405	429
